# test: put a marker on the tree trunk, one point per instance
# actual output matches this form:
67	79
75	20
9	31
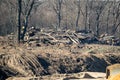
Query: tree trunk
19	19
86	15
59	13
97	25
59	20
117	15
26	20
78	16
108	21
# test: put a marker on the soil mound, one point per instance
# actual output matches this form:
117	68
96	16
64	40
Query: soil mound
42	61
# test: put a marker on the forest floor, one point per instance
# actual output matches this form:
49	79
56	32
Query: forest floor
56	62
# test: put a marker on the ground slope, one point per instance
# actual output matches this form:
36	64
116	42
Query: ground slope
22	61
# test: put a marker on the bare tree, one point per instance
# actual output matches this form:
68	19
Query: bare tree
108	17
90	6
78	14
86	14
24	10
19	19
66	15
57	6
99	9
27	14
116	15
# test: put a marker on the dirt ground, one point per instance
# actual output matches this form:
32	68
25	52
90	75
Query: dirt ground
49	62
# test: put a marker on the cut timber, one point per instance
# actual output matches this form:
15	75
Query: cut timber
112	71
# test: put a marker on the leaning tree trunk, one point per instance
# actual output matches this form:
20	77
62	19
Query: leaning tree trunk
26	20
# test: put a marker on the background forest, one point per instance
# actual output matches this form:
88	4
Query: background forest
100	16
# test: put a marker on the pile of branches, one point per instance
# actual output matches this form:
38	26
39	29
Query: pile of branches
38	36
109	39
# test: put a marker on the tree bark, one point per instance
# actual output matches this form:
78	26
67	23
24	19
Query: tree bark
78	16
86	14
19	19
116	18
26	20
97	25
108	21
